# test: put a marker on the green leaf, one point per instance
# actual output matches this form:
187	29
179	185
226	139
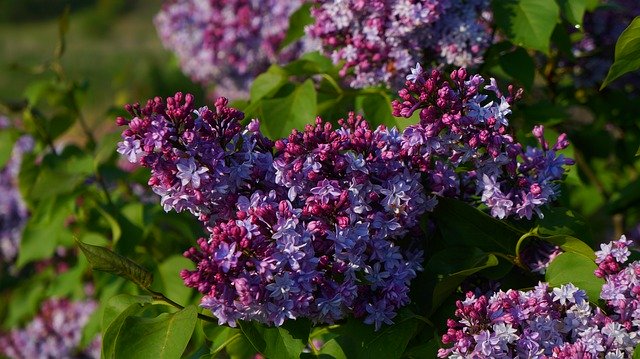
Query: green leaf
45	229
220	336
297	22
169	272
359	340
105	260
116	231
519	65
577	269
453	266
7	139
636	352
332	349
463	225
66	283
311	63
627	197
283	342
240	348
119	303
268	83
73	165
281	115
378	111
118	309
106	148
165	336
627	56
426	350
572	244
24	303
573	10
561	221
527	23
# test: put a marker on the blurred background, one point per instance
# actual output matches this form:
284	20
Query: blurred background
111	47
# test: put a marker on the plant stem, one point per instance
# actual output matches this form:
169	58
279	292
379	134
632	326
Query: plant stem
162	297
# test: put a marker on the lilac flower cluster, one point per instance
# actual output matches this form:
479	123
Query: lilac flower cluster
378	41
463	146
227	43
553	322
13	211
54	333
595	51
308	226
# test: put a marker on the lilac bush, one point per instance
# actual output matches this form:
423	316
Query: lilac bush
553	322
54	333
13	210
227	43
377	42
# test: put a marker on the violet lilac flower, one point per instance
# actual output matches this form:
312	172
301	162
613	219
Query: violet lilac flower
377	42
54	333
13	211
227	43
553	322
463	144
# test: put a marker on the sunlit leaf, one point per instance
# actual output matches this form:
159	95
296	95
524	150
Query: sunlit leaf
627	56
105	260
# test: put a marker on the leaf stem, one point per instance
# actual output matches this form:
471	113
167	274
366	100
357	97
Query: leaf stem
162	297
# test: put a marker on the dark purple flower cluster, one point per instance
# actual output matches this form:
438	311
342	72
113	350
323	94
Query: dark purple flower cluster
312	230
54	333
595	51
227	43
553	322
463	144
13	211
378	41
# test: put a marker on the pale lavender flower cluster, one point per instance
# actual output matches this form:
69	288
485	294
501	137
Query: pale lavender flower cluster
312	230
553	322
227	43
13	211
463	145
54	333
377	42
621	290
595	51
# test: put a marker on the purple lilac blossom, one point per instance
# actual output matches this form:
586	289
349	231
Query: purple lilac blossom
463	145
538	254
553	322
308	226
378	41
595	51
54	333
13	211
227	43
